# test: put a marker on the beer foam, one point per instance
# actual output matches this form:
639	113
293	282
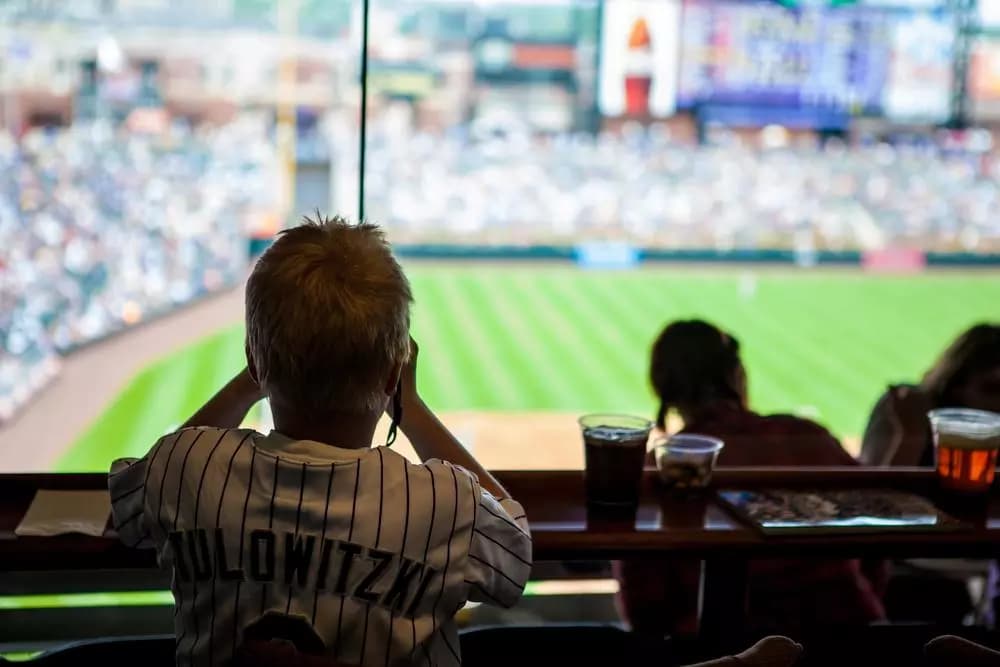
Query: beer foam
968	443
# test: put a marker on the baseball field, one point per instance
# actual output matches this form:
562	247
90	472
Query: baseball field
529	339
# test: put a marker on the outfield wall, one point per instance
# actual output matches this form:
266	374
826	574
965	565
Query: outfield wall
446	251
736	256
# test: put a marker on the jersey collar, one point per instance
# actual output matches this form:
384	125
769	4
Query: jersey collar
307	450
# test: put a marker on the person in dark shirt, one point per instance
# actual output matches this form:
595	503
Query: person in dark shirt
967	375
696	370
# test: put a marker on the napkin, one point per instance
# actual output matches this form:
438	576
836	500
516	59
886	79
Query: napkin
62	512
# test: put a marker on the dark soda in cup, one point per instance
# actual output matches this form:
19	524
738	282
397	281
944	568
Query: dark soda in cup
614	449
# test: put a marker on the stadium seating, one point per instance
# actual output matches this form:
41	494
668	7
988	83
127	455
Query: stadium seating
101	231
647	189
152	651
577	645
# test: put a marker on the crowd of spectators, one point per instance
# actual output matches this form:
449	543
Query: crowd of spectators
102	228
646	189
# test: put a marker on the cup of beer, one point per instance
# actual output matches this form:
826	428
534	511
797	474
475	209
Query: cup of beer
966	442
614	448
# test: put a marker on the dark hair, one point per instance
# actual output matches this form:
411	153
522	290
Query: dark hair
693	362
976	349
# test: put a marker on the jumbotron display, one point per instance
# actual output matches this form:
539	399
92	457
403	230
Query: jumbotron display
851	60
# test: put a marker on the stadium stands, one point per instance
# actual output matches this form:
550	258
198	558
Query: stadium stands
166	214
644	187
103	229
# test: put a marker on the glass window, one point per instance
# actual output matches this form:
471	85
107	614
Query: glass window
561	179
144	155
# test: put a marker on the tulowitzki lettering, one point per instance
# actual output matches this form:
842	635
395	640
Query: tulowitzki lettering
304	561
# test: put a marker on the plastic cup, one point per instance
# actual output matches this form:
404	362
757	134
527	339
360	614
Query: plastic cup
966	442
686	461
614	448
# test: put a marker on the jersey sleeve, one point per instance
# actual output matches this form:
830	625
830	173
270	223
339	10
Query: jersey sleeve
499	562
127	485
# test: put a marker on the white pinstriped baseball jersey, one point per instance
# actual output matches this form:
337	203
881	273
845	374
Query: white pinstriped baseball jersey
376	553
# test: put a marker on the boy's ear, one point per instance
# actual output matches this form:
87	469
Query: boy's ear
393	379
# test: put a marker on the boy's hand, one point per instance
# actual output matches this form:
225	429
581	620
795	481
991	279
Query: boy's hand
430	438
408	376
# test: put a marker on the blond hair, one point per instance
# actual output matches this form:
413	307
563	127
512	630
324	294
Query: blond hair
328	316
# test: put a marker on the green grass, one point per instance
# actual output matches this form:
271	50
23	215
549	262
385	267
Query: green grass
21	656
81	600
521	337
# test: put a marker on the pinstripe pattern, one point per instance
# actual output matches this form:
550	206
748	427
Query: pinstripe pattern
218	523
379	566
402	548
322	532
180	620
270	524
243	525
197	506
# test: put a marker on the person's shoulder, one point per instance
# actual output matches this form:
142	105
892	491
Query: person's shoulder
812	440
445	478
752	424
794	424
798	427
213	433
185	439
447	468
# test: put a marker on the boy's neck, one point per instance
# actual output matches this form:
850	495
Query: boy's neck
349	430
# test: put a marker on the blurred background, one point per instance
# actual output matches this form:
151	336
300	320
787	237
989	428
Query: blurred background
560	178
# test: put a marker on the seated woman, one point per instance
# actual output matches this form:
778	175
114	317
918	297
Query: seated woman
967	375
696	370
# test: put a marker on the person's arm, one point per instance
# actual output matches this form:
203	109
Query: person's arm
911	429
879	443
430	438
229	407
499	559
898	430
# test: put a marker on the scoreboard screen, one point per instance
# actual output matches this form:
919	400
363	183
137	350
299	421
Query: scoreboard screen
852	59
759	53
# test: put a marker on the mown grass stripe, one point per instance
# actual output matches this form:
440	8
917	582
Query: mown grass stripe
623	361
439	376
541	360
491	358
510	337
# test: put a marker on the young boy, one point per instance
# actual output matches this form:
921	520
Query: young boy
311	521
